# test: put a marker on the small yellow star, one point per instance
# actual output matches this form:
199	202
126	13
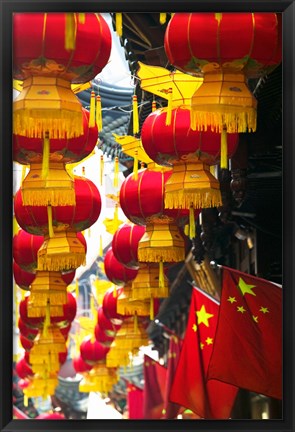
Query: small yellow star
231	299
255	318
264	310
194	327
203	316
201	345
241	309
209	341
245	288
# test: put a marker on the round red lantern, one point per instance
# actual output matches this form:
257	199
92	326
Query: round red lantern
23	369
25	248
102	337
109	305
23	311
27	331
80	365
92	351
106	324
115	271
22	278
65	330
27	344
69	312
125	244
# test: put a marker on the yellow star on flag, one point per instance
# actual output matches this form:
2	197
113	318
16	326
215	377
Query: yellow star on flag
245	288
231	299
194	327
241	309
201	345
203	316
264	310
255	318
209	341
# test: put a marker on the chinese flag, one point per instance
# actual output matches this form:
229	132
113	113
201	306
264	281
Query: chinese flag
209	400
248	344
172	409
154	388
134	401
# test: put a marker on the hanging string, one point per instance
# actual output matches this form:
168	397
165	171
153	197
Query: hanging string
223	150
135	166
154	105
100	246
161	275
119	24
92	109
98	113
115	294
192	223
45	157
169	108
81	18
77	290
116	217
116	172
70	37
46	320
50	225
135	115
101	169
152	312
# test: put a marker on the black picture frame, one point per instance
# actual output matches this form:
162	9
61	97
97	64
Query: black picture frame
7	8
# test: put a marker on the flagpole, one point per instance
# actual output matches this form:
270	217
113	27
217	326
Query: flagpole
164	327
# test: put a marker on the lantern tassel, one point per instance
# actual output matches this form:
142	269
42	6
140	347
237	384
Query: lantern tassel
161	275
135	115
169	108
135	166
116	218
45	158
119	24
116	172
81	18
24	173
92	110
50	226
77	290
223	150
101	169
152	312
154	106
98	113
46	320
26	400
192	223
70	37
135	323
115	294
163	17
100	246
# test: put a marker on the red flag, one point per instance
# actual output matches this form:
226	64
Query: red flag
213	399
134	401
248	344
171	409
154	388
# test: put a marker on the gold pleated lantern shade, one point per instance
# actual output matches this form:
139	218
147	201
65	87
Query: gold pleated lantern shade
192	185
47	104
128	306
99	379
56	188
161	241
44	364
48	342
146	284
41	387
224	100
47	288
63	251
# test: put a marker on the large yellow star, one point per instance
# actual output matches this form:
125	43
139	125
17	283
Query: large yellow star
203	316
245	288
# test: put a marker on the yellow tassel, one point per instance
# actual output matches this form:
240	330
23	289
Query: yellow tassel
26	400
119	24
186	229
101	169
70	36
116	172
115	294
154	106
135	166
161	275
223	150
116	217
24	173
89	232
46	320
98	113
92	110
77	290
50	226
135	323
135	115
163	17
15	226
100	246
152	312
81	18
169	108
192	223
45	159
92	306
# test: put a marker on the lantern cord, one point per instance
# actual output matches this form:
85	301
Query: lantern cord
161	275
135	115
223	150
92	109
77	290
192	223
81	18
154	105
116	172
152	315
169	108
119	24
50	226
100	246
135	166
45	158
163	17
101	169
135	323
70	37
46	320
98	113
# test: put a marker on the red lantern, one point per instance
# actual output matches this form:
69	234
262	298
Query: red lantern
25	248
109	305
50	416
69	312
65	330
27	344
106	324
80	365
102	337
27	331
92	351
23	369
115	271
23	311
125	244
22	278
